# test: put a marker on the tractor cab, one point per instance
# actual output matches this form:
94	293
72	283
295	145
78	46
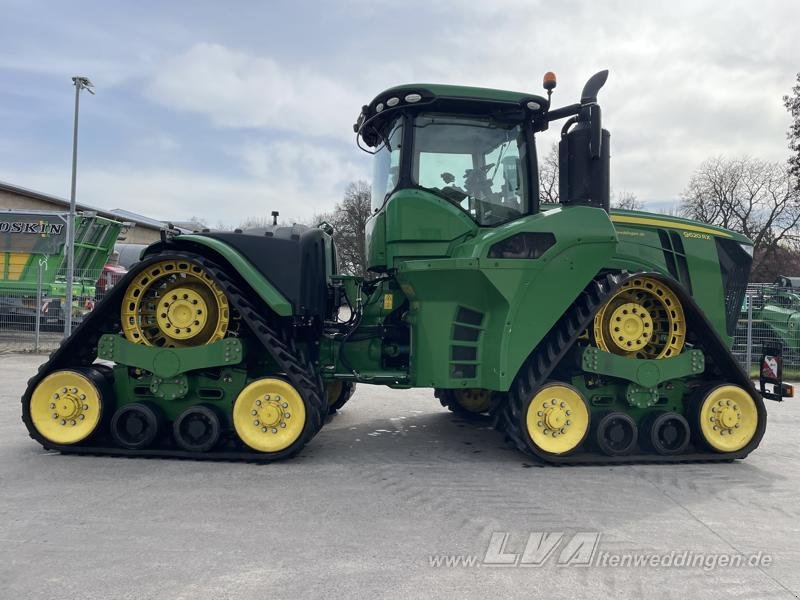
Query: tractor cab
478	156
475	147
450	159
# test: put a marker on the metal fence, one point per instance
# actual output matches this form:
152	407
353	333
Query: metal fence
33	316
770	316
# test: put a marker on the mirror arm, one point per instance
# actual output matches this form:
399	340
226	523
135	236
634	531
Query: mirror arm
564	111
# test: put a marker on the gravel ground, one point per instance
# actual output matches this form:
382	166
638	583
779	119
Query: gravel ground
391	485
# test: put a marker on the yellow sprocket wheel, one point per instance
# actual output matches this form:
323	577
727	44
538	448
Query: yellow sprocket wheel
728	418
557	418
473	400
66	407
174	303
269	415
643	319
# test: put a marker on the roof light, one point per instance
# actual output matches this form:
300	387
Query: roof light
392	102
379	108
413	98
549	81
533	105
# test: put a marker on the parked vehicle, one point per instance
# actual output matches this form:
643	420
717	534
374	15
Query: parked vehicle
589	335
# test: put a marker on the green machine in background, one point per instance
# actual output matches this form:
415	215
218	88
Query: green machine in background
588	335
775	319
33	258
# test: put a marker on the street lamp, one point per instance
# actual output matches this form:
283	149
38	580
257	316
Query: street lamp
80	83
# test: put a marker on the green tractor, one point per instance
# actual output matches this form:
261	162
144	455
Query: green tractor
588	335
775	312
33	260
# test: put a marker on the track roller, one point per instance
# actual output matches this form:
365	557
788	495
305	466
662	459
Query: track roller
136	425
197	429
616	434
668	433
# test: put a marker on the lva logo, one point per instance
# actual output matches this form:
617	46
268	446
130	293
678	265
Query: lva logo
577	550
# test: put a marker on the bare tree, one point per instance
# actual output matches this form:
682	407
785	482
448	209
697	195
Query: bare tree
626	200
757	198
198	222
792	104
349	219
548	177
548	185
256	222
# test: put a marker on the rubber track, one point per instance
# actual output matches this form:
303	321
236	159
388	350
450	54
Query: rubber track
80	349
510	415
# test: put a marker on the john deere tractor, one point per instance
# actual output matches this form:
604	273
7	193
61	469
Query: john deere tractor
588	335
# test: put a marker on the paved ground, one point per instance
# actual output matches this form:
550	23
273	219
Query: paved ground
25	341
389	485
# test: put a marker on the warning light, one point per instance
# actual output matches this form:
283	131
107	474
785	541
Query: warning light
549	81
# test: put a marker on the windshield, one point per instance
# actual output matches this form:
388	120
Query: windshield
386	164
476	163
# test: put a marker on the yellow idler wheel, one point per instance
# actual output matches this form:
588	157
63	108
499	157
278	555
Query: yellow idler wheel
174	303
557	419
66	407
643	319
473	400
728	418
333	390
269	415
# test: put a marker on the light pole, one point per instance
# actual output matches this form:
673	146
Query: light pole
80	83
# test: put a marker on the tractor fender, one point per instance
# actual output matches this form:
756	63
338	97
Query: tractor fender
586	242
228	257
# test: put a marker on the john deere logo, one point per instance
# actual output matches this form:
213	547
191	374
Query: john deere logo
40	228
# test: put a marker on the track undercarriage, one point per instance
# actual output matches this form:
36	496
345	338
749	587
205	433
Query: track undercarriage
233	383
695	405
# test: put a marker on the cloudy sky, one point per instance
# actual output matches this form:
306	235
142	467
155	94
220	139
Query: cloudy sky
223	110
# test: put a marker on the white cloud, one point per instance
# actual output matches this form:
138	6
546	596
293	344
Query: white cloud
236	89
290	166
293	178
689	79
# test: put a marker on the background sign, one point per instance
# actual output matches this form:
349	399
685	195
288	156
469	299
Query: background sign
32	232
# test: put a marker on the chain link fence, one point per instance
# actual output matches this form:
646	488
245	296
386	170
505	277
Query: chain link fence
33	315
770	316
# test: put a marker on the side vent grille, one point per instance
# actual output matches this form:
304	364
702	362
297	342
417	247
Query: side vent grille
675	257
734	264
467	330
